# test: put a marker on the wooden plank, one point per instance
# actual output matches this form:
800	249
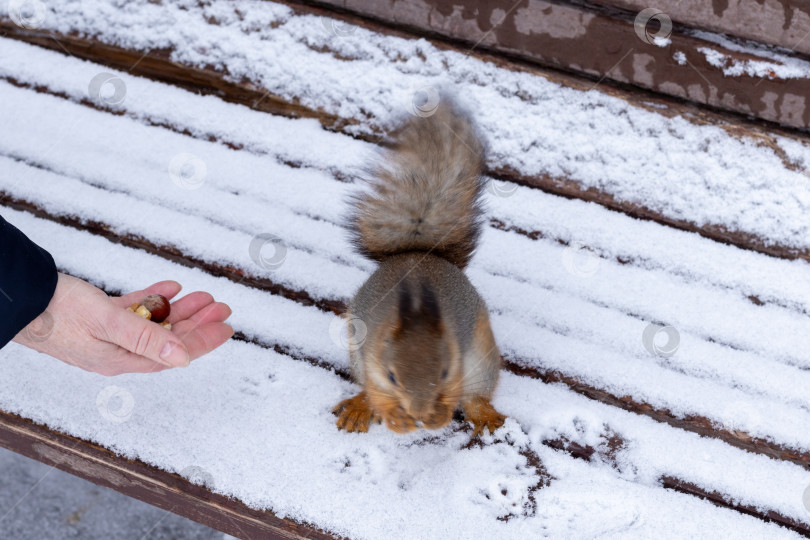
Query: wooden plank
158	66
783	23
146	483
602	45
723	501
607	455
517	366
61	455
175	494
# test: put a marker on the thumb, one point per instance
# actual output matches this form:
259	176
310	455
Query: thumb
148	339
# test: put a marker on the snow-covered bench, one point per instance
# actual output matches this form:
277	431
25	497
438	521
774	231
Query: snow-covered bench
615	424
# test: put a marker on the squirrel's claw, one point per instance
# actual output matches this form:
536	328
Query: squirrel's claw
480	412
399	421
491	424
355	414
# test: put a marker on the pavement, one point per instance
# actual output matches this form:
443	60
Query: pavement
40	502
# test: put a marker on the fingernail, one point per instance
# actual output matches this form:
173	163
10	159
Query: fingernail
175	354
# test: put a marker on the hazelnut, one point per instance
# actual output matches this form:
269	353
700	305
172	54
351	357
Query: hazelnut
154	307
157	306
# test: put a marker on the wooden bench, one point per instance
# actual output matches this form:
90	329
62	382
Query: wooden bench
510	49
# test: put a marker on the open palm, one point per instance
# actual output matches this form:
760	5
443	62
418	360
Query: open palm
84	327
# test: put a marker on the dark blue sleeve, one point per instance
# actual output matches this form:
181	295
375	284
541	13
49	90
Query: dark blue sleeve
27	281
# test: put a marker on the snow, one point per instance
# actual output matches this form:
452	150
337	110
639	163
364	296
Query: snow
179	419
780	66
577	300
601	316
687	172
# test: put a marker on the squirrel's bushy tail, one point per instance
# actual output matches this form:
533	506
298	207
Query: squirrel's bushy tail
425	190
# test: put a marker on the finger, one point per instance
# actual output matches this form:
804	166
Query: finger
145	338
215	312
201	339
189	305
169	289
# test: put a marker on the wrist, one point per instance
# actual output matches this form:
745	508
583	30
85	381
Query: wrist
36	332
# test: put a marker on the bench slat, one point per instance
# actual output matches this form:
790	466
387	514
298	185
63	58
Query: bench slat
701	425
145	483
157	65
605	46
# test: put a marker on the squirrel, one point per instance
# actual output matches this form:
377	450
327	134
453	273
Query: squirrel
428	347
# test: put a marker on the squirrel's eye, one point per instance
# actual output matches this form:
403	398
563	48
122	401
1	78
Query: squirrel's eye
392	378
444	374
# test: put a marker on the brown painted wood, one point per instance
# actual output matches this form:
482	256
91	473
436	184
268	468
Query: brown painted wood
157	65
717	232
696	424
517	366
175	255
723	501
603	45
615	443
783	23
699	425
175	494
146	483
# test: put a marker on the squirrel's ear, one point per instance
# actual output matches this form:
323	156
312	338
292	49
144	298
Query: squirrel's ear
404	310
429	309
405	303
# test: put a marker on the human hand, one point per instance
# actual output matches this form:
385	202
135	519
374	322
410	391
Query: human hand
84	327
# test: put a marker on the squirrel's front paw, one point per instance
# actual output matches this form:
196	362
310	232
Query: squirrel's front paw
398	420
482	414
442	414
355	414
